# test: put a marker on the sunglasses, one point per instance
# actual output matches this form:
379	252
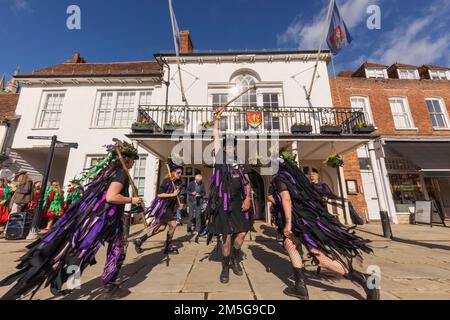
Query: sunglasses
178	172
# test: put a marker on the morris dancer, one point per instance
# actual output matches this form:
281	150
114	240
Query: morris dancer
97	217
163	209
229	203
302	218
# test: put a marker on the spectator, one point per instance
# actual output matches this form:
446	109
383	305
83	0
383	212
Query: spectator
23	192
195	193
36	190
5	197
53	203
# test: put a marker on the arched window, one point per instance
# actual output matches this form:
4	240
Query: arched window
243	82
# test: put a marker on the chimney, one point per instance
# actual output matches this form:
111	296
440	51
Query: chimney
77	58
186	45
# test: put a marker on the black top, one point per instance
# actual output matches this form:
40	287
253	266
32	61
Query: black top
281	186
171	206
236	184
122	178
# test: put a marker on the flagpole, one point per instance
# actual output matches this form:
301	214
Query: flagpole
177	50
322	40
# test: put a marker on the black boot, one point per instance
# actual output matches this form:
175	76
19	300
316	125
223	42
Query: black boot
170	248
225	274
299	290
112	291
137	245
235	259
361	279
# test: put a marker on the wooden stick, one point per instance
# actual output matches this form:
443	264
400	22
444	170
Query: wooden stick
133	186
173	184
238	96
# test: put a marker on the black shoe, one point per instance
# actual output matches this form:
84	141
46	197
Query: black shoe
225	274
170	248
299	290
235	262
137	245
362	280
112	291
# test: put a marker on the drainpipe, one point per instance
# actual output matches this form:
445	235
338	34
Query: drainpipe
385	223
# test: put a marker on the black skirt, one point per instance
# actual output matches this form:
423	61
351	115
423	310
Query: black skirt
230	222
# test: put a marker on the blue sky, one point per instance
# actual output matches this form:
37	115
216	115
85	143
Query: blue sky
33	33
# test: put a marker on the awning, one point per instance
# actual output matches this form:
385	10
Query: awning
429	156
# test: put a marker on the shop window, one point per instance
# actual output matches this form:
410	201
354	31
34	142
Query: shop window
406	190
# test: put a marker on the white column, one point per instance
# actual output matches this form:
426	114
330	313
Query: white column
344	196
379	188
388	191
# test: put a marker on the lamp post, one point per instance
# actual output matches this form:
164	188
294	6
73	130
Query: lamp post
51	152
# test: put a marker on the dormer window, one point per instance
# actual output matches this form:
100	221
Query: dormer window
375	73
411	74
439	75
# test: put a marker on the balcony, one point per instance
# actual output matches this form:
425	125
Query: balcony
161	119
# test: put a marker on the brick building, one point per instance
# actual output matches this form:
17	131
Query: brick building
409	107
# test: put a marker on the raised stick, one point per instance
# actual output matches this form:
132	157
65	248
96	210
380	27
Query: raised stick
133	186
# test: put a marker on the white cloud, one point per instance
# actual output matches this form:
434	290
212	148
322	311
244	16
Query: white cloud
307	34
19	5
417	40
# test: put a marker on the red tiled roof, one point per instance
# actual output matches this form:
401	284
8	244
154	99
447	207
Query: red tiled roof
433	67
345	74
403	66
122	69
8	104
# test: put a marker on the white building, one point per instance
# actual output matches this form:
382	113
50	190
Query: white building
91	103
87	103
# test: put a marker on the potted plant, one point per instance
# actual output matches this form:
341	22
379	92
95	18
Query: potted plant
143	125
206	125
363	127
301	127
330	128
334	161
172	126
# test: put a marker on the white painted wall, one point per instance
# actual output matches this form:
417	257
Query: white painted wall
76	126
293	92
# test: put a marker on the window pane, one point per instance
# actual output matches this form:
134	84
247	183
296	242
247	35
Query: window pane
51	111
139	175
124	114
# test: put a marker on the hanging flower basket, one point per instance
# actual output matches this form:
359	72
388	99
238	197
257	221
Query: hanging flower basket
334	161
206	125
301	127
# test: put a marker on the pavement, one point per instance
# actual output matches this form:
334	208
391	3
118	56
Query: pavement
415	265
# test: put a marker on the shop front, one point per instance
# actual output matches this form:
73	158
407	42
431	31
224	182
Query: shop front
418	170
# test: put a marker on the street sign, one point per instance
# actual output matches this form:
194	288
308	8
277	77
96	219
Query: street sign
39	138
66	145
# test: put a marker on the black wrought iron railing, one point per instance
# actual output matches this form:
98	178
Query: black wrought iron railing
255	119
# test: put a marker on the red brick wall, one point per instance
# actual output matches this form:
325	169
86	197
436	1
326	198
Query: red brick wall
351	172
378	92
